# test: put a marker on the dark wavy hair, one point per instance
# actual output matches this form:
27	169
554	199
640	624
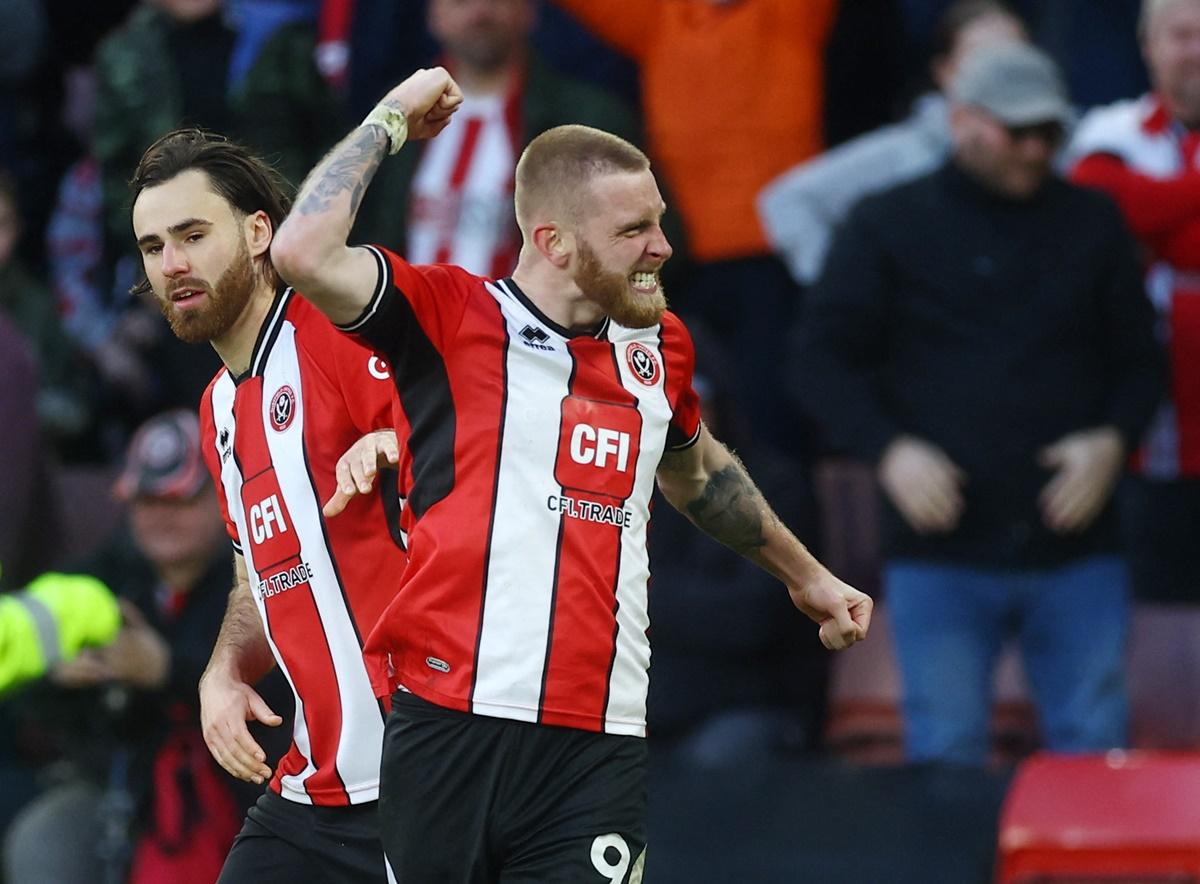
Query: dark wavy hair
247	183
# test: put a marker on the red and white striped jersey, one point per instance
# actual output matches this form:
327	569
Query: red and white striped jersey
462	193
271	439
530	461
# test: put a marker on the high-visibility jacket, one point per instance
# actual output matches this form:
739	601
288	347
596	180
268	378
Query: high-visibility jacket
53	619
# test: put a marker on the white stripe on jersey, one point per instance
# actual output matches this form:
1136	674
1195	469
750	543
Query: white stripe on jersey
520	581
630	678
362	724
291	786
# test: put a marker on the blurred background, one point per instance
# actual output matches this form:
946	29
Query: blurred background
974	398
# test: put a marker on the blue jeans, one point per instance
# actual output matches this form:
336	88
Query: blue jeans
950	621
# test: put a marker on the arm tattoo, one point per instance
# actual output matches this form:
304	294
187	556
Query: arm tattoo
349	166
732	510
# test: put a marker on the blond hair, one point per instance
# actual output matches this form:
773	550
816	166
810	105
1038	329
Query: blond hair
556	167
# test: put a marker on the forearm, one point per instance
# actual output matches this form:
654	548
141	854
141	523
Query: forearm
241	651
716	493
310	249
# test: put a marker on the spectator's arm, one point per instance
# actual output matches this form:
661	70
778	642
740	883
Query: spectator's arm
50	621
1152	206
628	25
839	341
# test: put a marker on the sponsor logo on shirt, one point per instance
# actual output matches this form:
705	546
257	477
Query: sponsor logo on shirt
598	447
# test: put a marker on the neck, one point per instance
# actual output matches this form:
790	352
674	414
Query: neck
182	576
475	80
236	346
556	294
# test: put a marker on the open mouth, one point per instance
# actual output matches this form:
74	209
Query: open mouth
185	298
644	283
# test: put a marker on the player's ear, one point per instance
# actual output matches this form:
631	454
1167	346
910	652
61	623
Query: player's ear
259	231
554	243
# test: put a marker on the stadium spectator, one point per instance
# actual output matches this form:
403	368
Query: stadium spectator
801	208
27	517
61	403
541	411
1146	153
731	94
292	397
980	334
452	200
126	715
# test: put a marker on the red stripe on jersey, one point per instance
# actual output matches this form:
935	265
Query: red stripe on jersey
461	165
680	358
597	459
303	644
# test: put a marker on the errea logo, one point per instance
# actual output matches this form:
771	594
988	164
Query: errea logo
535	338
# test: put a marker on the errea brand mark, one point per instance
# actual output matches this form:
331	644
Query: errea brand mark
435	663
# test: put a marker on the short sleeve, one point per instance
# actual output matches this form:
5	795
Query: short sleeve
412	302
679	357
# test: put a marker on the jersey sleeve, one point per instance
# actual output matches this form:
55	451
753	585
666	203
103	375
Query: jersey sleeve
212	460
679	357
362	377
415	308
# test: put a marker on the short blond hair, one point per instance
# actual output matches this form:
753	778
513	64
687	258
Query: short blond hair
556	167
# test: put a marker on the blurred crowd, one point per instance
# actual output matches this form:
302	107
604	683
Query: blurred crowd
946	250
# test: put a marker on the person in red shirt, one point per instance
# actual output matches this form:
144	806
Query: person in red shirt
1145	153
539	412
293	395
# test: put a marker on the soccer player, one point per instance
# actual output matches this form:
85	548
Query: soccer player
293	396
537	412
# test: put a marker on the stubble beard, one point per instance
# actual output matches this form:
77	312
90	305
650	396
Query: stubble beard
227	301
614	294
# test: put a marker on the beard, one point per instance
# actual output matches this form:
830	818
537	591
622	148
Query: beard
614	293
226	302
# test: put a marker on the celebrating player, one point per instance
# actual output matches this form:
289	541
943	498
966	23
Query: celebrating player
538	412
294	395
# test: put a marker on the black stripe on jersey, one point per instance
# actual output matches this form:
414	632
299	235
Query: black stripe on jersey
423	385
389	495
487	547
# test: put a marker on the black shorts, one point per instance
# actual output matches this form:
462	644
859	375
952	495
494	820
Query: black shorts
468	799
283	842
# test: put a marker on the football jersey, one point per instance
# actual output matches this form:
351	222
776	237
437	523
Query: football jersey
271	439
529	461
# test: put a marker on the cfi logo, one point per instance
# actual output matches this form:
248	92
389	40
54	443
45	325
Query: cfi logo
643	363
283	408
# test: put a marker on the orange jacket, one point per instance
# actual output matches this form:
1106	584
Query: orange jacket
732	97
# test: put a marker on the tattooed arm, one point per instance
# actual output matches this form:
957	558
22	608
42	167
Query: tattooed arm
310	249
709	485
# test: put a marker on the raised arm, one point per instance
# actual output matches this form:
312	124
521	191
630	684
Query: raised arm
710	486
241	657
310	249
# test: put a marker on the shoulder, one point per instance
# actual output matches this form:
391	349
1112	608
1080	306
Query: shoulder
1110	127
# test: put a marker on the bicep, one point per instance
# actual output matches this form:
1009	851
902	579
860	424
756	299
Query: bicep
683	473
342	285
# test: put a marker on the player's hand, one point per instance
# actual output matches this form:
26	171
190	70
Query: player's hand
428	99
843	612
85	669
1087	465
923	483
226	704
357	468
